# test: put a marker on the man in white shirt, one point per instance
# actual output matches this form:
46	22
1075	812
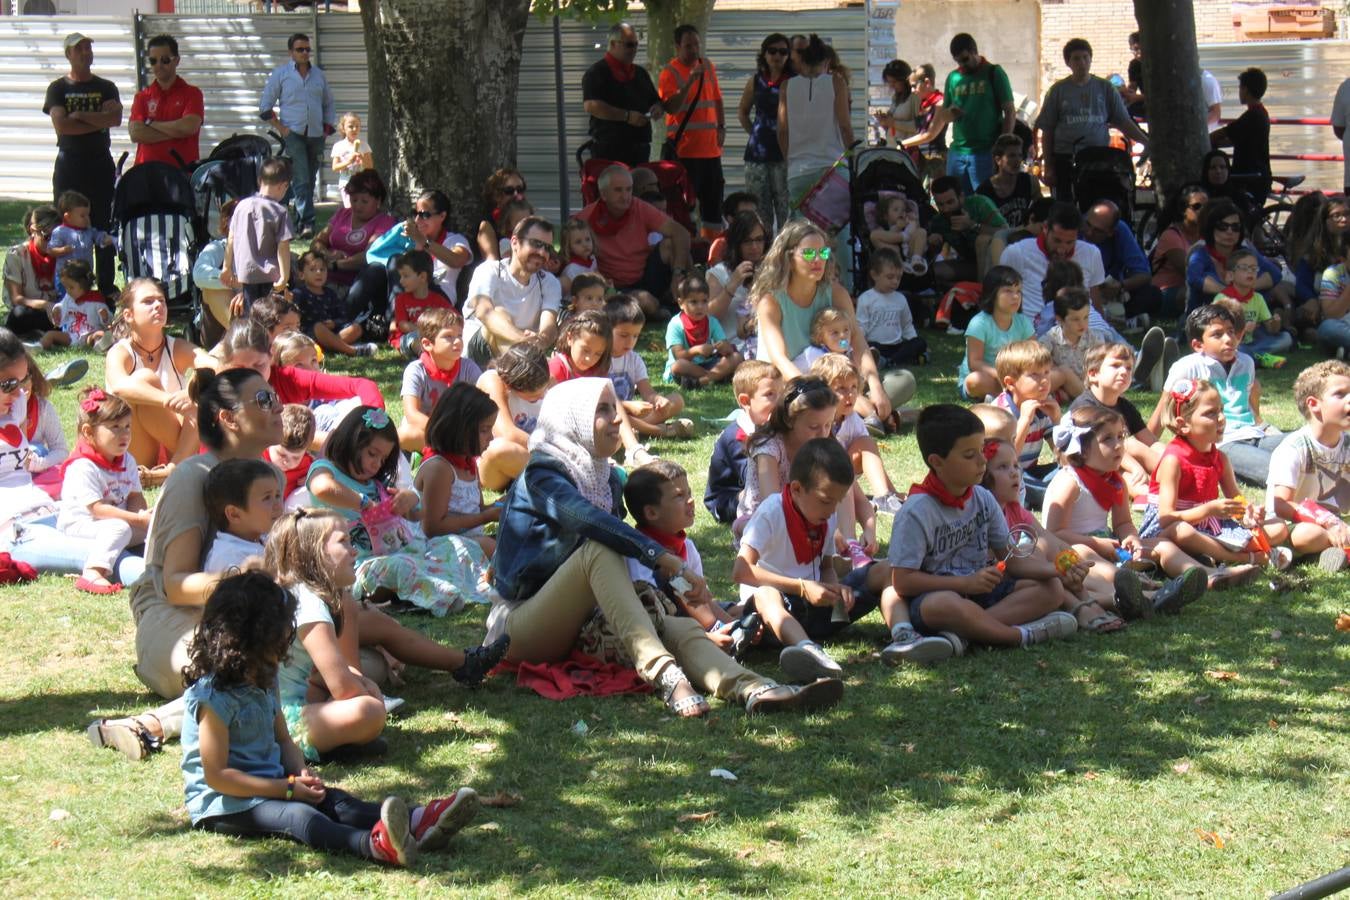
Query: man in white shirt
1209	86
513	300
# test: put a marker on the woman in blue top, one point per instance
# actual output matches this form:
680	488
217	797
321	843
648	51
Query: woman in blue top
561	551
1222	232
765	168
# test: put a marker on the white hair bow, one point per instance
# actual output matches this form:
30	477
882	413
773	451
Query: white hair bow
1068	437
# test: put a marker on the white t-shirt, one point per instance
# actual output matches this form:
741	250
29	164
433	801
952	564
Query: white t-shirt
230	552
341	150
693	562
1340	118
81	318
1213	92
524	303
740	300
19	497
1315	471
444	275
572	269
767	532
885	318
808	356
1234	386
86	484
1031	263
627	372
849	430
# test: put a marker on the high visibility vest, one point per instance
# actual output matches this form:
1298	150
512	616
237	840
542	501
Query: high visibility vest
700	136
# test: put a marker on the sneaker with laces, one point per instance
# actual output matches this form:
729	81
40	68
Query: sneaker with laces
1281	558
1270	361
443	818
1332	560
888	503
68	372
910	646
959	644
391	840
1057	624
1183	590
365	349
806	662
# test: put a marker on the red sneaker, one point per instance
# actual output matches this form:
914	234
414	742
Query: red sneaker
443	817
391	841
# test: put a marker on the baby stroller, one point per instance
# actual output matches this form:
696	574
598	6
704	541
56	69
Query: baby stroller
228	173
1104	173
874	173
671	178
153	216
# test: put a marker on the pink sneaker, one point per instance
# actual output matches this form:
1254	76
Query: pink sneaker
857	556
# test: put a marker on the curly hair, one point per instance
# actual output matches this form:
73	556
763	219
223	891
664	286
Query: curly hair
247	628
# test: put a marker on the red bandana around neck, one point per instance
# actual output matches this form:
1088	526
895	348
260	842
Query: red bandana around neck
605	224
1107	488
1232	291
1040	245
1220	258
586	262
444	376
695	332
1186	452
458	460
44	267
808	541
933	487
32	411
622	71
672	543
86	450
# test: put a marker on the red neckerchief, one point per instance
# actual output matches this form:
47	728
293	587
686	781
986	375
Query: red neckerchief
44	267
1040	245
1186	452
586	262
740	434
85	450
31	414
808	541
294	477
1232	292
695	332
1220	258
458	460
930	101
673	543
933	487
1107	488
621	71
444	376
773	83
604	224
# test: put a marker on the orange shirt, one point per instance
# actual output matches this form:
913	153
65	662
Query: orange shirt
699	140
155	104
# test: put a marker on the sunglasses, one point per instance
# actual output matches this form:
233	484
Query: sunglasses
427	213
517	190
159	60
10	385
1229	226
536	244
776	51
1195	207
266	399
300	49
811	254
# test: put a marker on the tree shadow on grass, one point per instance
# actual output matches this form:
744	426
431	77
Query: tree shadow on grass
43	712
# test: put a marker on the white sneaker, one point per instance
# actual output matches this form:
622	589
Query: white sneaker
888	503
1332	560
805	663
916	648
959	644
954	331
365	349
1053	625
1282	558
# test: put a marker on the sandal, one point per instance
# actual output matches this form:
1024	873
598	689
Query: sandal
690	706
93	587
678	428
127	736
1102	623
770	697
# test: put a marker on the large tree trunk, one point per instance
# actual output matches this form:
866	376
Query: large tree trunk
443	77
662	17
1176	104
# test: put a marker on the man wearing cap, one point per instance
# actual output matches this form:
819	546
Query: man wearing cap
83	109
166	117
304	116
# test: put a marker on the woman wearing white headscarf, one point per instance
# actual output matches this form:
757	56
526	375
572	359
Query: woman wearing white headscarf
561	553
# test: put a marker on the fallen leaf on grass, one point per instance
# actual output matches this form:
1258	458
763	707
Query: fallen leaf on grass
1091	776
697	817
724	774
484	747
744	852
1221	675
1181	768
1210	837
502	799
1273	724
1343	622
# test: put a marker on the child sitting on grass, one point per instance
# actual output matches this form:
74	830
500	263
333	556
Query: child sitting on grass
583	349
1024	371
419	293
757	385
785	565
292	456
588	292
578	244
649	413
82	314
1262	336
323	316
998	323
1110	371
244	499
517	385
442	364
458	431
1309	483
699	352
804	412
948	540
244	775
885	317
1070	341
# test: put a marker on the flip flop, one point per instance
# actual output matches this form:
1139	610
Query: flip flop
93	587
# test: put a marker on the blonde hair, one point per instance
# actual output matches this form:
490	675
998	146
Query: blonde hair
1021	356
289	346
1093	359
750	373
1182	400
775	269
834	368
575	226
295	556
999	424
346	116
1312	381
824	319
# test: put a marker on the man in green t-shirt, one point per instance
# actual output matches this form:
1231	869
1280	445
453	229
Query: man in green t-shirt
978	99
967	224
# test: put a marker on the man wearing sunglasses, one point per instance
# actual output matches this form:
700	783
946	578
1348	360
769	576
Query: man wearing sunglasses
84	108
166	117
304	117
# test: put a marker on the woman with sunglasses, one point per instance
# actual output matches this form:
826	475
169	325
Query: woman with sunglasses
765	168
30	276
503	186
1174	245
345	239
428	229
1222	232
148	369
793	283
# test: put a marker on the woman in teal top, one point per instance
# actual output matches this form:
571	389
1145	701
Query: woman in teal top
793	283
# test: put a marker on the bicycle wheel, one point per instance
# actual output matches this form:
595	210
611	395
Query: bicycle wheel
1146	229
1268	235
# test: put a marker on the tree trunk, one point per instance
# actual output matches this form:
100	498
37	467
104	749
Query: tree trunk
1178	138
662	17
443	79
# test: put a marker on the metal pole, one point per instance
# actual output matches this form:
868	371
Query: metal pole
564	190
1319	887
138	49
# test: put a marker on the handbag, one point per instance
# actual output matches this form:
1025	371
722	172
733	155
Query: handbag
669	147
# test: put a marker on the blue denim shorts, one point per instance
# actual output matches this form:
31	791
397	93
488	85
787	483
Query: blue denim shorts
984	601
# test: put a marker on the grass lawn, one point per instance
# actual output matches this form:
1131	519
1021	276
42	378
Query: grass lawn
1199	755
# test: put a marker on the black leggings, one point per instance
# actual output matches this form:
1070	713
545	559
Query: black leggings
369	293
340	822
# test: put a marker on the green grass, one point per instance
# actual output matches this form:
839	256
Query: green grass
1084	768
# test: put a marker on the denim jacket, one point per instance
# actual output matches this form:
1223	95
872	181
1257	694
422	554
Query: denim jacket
546	519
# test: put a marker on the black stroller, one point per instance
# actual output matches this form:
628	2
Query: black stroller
876	172
1104	173
228	173
154	213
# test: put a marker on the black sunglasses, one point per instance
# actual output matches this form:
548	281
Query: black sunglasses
428	213
1228	226
517	190
159	60
776	51
10	385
